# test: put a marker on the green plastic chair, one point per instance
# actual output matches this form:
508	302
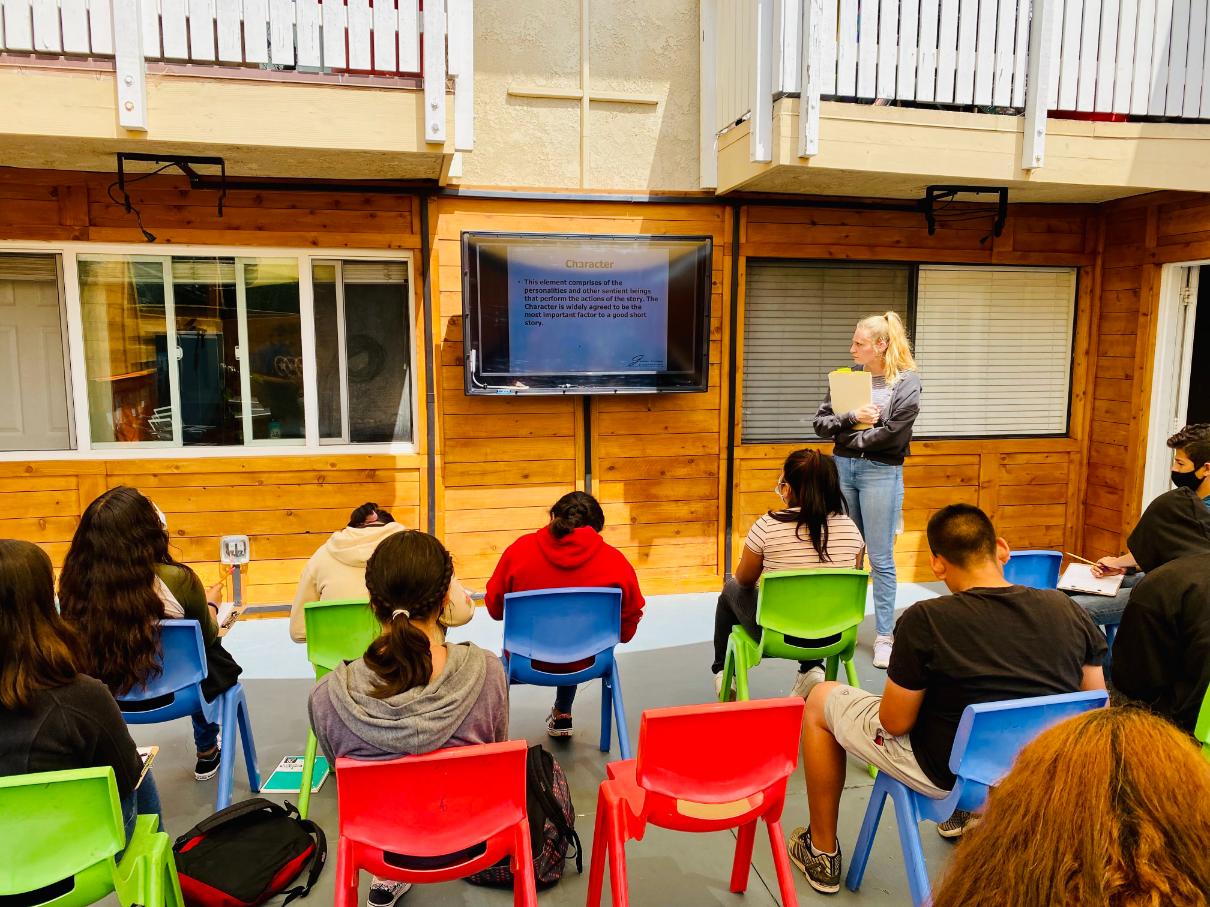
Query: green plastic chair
1202	729
59	832
336	631
806	604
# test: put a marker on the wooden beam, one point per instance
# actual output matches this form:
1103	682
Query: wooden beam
1043	66
761	134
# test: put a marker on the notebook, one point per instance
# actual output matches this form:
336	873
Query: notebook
287	777
850	391
1079	578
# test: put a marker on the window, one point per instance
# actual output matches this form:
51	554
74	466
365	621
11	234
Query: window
34	412
993	344
798	323
364	368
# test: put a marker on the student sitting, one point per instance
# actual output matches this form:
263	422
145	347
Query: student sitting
987	641
811	530
411	693
1161	656
118	582
1111	807
568	551
52	717
338	570
1175	524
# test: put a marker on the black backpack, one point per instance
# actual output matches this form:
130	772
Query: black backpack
247	853
552	820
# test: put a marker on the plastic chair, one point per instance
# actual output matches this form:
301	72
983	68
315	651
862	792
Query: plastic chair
60	832
399	818
806	604
990	735
701	768
177	693
336	631
1037	569
1201	730
565	626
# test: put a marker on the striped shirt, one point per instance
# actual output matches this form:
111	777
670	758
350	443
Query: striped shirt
782	549
880	392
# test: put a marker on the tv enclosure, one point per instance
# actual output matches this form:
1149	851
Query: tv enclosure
576	314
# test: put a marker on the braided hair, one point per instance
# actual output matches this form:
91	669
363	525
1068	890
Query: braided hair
573	510
408	577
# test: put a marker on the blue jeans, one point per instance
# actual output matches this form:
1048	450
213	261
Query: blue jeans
205	733
564	697
874	493
1105	609
144	801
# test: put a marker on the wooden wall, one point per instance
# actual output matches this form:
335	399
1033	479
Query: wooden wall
656	462
1028	486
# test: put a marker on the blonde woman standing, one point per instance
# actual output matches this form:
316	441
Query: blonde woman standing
870	461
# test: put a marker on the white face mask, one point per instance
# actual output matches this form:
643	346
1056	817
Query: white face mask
160	514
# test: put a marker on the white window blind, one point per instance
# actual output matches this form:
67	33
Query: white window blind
994	350
798	323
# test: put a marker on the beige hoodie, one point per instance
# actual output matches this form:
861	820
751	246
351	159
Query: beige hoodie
338	571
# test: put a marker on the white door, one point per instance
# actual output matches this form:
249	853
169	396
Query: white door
33	389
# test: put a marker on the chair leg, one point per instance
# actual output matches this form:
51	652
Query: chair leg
619	709
742	864
865	838
525	888
596	867
245	733
907	817
607	695
781	864
345	894
617	864
304	788
741	675
830	666
228	704
850	671
724	692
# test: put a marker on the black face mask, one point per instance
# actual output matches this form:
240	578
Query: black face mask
1186	479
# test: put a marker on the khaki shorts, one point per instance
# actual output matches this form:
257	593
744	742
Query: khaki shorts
852	716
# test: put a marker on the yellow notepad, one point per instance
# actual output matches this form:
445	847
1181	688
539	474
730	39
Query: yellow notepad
850	392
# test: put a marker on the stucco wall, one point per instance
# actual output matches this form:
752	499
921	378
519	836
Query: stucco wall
646	48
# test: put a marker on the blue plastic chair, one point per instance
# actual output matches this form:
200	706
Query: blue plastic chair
990	735
564	626
1037	569
177	693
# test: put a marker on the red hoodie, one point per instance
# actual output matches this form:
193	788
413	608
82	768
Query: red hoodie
581	558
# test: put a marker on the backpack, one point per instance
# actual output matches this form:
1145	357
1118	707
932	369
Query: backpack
247	853
552	820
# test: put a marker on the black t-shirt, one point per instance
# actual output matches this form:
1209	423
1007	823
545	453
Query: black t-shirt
77	725
986	645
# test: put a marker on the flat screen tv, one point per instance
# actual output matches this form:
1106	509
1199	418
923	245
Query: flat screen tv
576	314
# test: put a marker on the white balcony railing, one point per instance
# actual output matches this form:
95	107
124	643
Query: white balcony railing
1137	58
389	38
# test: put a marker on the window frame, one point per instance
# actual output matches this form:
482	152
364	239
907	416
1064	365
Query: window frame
69	253
913	295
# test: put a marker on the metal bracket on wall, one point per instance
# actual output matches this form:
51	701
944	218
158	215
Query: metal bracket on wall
946	194
183	162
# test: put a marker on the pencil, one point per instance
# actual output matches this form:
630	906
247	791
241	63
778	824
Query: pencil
1082	560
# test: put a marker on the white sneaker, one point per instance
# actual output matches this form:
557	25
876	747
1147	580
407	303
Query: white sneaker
805	683
385	893
718	683
882	651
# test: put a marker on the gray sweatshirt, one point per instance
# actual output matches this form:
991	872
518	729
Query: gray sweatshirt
466	704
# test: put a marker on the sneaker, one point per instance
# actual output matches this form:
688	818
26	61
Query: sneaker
558	725
958	824
882	651
807	681
207	766
385	893
821	869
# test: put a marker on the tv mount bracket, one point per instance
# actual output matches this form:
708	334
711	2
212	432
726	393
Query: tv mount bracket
183	162
935	194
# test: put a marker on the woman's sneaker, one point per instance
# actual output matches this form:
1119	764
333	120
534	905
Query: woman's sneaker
385	893
821	869
559	724
882	651
958	824
207	766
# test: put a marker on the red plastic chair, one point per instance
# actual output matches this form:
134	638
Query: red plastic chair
432	818
701	768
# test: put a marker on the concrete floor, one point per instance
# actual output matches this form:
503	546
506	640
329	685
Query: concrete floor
666	868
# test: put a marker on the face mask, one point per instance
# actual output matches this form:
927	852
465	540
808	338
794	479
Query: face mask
1186	479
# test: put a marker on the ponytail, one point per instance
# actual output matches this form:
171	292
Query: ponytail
888	328
408	577
815	486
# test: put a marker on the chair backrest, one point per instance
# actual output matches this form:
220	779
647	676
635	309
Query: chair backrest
1202	729
811	603
991	734
338	631
562	625
436	804
54	825
1037	569
182	661
721	751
